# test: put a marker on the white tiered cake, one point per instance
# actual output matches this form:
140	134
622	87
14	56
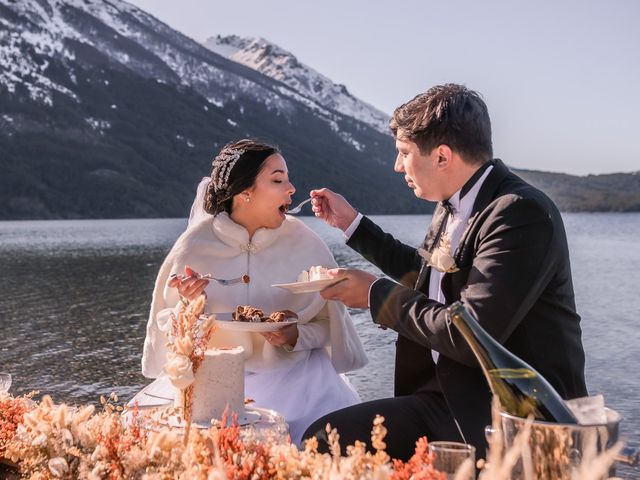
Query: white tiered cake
219	382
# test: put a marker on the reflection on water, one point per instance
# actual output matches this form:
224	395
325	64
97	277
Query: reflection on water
75	301
75	297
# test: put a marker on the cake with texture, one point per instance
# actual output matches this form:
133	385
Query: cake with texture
247	313
314	273
218	382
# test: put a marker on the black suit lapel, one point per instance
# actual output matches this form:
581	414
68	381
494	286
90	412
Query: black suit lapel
486	195
427	244
489	188
422	278
434	227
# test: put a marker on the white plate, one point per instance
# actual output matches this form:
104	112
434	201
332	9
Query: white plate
308	287
158	393
253	326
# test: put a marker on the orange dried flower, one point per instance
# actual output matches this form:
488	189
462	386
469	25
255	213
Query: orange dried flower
419	466
12	412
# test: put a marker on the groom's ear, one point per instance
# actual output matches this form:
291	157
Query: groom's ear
444	155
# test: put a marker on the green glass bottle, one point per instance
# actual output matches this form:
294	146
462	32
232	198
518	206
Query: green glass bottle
522	391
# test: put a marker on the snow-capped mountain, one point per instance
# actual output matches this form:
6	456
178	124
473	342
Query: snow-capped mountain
139	42
128	36
277	63
104	110
107	112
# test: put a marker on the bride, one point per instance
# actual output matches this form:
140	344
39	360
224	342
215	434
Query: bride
238	226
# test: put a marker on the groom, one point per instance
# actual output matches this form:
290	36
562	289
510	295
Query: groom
495	243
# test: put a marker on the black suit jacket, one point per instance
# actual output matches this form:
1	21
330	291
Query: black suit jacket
514	276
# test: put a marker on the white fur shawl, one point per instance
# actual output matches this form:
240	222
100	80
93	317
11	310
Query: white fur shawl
221	247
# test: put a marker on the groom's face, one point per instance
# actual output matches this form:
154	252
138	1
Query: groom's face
420	170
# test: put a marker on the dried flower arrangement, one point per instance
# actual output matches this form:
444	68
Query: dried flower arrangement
57	441
50	441
190	334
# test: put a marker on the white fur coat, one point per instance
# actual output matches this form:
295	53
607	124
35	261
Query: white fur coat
221	247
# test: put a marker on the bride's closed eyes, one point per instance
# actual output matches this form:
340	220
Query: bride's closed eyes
280	178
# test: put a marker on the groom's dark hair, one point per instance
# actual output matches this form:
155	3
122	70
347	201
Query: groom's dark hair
447	114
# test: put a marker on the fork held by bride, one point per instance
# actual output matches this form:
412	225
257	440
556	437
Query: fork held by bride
192	284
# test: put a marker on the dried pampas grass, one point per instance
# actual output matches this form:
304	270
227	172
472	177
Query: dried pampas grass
49	441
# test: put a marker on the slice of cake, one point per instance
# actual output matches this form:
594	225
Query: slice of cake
276	317
314	273
219	382
247	313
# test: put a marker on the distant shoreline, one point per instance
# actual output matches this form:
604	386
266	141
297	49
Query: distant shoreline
185	219
607	193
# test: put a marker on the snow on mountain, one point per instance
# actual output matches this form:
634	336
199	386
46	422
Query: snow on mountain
35	32
107	98
281	65
18	68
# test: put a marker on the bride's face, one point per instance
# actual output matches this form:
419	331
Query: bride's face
270	195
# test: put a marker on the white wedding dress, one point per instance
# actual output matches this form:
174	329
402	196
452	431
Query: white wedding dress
302	385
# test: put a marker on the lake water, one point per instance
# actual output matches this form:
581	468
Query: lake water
75	297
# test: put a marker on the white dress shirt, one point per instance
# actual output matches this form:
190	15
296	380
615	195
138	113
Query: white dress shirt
456	224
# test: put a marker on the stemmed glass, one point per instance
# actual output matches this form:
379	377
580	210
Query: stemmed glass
5	382
451	456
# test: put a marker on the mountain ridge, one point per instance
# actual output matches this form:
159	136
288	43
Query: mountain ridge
277	63
106	112
106	109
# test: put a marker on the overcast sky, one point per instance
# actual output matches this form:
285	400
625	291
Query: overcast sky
561	77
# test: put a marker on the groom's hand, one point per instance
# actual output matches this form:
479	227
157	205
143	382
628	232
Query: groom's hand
332	208
352	290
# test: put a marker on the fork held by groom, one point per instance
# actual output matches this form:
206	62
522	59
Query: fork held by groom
507	262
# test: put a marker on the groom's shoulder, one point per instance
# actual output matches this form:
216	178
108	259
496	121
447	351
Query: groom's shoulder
515	193
516	202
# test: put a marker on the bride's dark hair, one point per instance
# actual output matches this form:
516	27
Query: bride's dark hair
242	175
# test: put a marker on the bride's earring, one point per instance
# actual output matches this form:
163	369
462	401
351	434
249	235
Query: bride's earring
247	199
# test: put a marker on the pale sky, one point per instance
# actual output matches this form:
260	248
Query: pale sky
561	78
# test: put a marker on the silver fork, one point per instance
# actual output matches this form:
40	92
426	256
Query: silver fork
226	283
298	208
222	281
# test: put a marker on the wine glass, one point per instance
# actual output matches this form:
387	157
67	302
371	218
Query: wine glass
5	382
450	456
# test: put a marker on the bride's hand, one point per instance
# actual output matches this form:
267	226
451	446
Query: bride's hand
189	285
332	208
285	336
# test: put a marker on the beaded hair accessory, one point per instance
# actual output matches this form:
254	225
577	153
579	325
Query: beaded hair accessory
222	166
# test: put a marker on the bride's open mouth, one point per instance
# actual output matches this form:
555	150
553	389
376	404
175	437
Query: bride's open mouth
284	207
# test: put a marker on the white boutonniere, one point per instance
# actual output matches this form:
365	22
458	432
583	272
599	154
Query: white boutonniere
440	258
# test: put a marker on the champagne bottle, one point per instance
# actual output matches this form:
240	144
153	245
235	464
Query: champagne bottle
521	390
